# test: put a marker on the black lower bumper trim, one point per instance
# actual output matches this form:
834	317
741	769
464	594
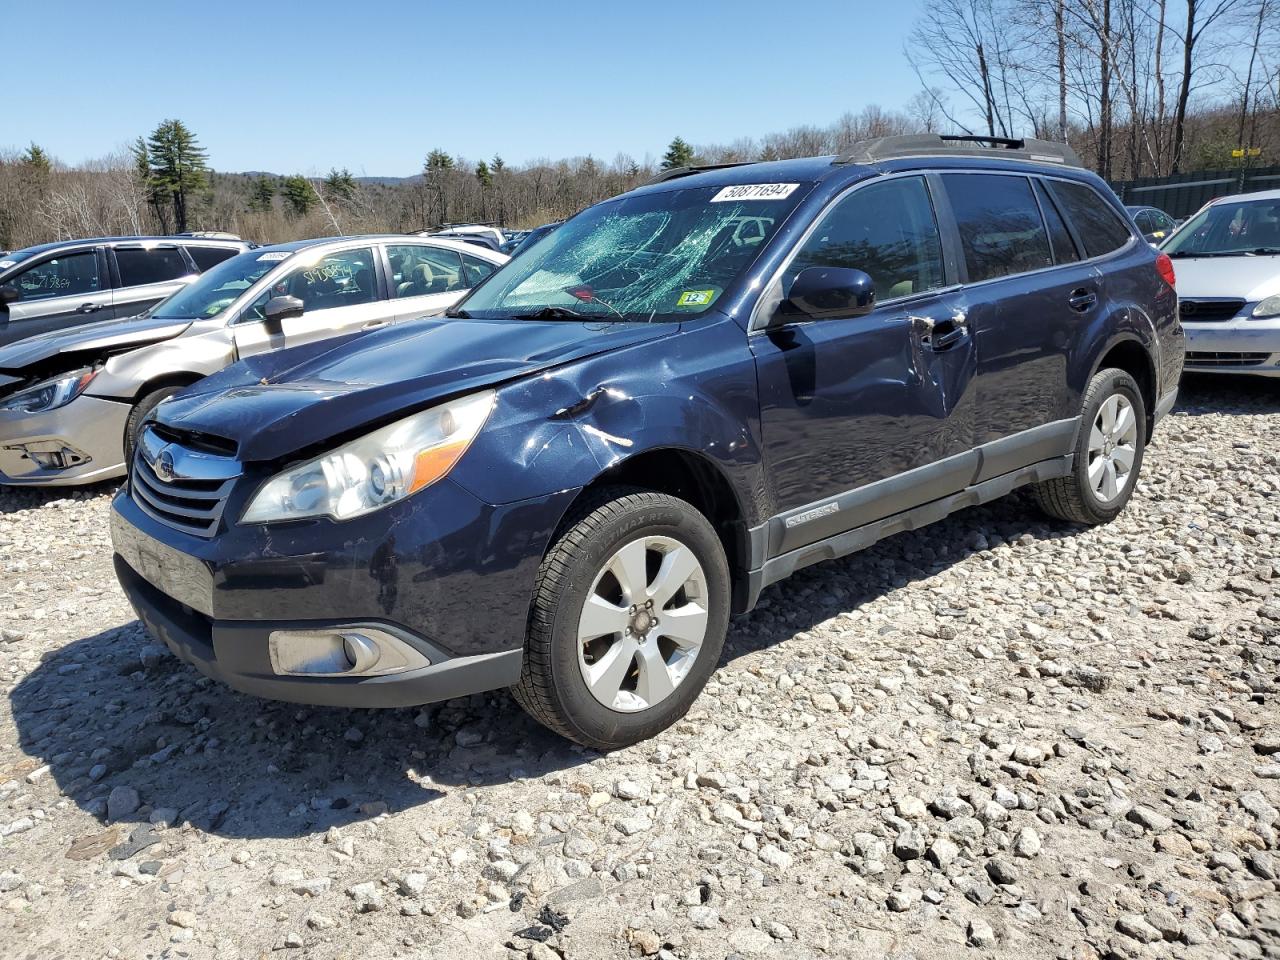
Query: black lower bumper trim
236	653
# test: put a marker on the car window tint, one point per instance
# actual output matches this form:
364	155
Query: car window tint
474	269
418	270
1001	231
1098	226
139	267
1064	248
206	257
76	273
339	280
1143	220
887	230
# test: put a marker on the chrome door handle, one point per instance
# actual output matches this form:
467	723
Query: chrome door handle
376	324
89	308
1082	299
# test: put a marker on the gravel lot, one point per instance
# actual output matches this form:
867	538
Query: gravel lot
997	736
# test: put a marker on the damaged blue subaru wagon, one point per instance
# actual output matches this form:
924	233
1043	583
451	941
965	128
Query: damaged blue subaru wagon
568	483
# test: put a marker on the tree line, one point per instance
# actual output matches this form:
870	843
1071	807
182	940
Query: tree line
1138	87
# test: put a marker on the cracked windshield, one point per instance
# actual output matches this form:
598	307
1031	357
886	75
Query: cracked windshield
655	257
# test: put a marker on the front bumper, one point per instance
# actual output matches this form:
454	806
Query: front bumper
1241	345
87	433
448	574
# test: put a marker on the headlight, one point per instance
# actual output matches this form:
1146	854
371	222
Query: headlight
50	394
377	469
1269	307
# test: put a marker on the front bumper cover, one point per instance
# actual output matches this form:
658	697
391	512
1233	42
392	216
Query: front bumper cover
1242	346
91	428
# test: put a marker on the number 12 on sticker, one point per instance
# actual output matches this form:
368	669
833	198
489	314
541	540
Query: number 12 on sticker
755	191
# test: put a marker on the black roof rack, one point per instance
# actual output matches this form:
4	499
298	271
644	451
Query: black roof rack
675	172
933	144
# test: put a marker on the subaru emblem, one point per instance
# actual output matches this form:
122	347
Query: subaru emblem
164	465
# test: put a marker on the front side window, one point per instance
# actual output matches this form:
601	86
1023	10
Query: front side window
1001	230
1097	224
660	256
1233	228
343	279
217	289
887	230
76	273
140	267
418	270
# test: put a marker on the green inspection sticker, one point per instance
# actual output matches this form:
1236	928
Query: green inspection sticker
696	298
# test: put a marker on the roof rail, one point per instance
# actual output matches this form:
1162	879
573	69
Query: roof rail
676	172
948	145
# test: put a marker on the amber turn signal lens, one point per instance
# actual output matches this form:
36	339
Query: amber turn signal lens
432	464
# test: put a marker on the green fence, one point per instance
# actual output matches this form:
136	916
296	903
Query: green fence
1184	193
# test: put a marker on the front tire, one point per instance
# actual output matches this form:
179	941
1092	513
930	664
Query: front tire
133	427
1108	453
629	617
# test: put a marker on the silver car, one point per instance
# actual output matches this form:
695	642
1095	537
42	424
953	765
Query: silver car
1227	258
71	401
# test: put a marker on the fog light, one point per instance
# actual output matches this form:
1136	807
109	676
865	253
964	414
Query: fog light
51	454
342	652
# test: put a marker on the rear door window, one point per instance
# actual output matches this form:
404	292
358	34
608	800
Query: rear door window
1064	248
418	270
474	269
140	267
1001	230
75	273
1098	226
206	257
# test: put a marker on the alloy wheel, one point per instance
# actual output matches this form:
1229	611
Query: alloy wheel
643	623
1113	445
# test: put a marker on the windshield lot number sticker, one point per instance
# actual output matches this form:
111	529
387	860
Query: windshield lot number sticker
755	191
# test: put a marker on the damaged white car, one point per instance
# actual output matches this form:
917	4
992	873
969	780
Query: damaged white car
71	401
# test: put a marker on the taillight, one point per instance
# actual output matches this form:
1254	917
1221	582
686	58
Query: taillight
1164	266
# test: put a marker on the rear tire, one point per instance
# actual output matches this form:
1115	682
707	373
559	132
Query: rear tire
1108	454
653	570
138	414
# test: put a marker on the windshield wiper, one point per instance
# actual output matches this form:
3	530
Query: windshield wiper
1264	252
454	313
553	313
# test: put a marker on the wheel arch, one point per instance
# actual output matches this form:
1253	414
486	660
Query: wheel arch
694	478
1130	354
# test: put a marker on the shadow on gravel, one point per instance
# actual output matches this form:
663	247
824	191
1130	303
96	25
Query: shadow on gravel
116	710
16	499
1204	393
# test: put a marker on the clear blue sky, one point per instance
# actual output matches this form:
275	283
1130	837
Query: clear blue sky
373	86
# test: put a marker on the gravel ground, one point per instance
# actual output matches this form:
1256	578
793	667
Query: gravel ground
998	736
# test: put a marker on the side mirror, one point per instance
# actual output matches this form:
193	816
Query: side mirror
10	295
820	292
280	309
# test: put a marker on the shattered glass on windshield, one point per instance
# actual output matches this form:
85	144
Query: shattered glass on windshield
658	256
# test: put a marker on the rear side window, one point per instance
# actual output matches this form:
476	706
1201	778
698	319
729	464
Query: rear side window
1098	226
418	270
139	267
206	257
1001	231
1064	248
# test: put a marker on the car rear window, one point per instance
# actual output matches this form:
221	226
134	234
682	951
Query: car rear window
1097	225
1001	230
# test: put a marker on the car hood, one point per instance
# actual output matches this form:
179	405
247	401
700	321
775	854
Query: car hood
1253	278
277	404
107	336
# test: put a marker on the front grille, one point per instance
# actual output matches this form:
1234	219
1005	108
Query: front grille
1224	359
1208	311
182	487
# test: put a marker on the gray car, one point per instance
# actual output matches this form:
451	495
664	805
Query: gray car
1227	258
71	401
57	285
